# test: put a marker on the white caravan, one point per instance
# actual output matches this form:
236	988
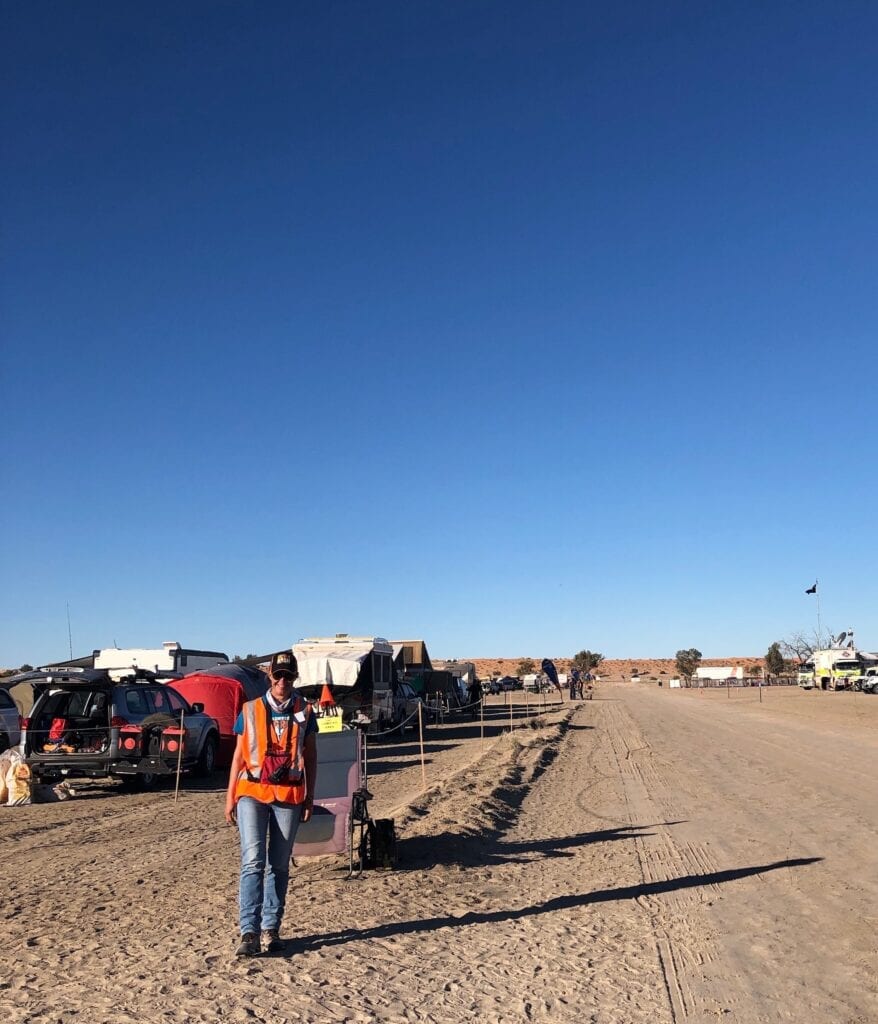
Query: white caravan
358	670
168	660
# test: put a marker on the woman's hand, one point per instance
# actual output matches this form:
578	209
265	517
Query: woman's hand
307	808
231	814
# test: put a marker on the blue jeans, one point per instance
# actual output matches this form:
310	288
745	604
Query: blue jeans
263	890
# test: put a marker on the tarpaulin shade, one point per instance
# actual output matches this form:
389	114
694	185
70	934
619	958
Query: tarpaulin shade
223	694
330	663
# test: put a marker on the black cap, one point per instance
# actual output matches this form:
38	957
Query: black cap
284	664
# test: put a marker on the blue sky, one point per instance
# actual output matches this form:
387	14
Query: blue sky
521	328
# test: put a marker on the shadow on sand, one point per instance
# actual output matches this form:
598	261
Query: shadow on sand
479	850
624	892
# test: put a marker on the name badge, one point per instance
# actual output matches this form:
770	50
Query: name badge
300	717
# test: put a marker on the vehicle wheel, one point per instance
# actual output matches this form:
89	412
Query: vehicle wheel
207	758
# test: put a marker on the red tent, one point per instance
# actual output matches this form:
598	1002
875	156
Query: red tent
223	690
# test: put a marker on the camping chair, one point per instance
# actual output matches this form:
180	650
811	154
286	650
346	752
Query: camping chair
341	813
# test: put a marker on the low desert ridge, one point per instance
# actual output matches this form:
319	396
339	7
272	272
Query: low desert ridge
613	668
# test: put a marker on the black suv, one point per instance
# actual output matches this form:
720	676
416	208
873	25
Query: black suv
86	723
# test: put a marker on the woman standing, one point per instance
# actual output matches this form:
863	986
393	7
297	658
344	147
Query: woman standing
271	790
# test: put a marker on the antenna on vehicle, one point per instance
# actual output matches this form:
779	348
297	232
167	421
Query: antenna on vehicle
69	634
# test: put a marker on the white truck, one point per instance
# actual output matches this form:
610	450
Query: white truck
168	660
837	667
805	675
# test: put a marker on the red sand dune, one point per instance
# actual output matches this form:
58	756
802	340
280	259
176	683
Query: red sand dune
612	668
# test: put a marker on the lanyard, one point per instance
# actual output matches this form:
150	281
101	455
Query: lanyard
284	733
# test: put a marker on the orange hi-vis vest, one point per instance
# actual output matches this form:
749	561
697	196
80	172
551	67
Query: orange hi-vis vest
258	737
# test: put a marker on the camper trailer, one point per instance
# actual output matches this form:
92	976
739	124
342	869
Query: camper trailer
168	660
358	672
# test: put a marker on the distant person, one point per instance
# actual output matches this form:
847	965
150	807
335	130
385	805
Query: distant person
474	697
270	791
575	684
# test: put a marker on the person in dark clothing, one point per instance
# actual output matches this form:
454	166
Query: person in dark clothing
474	697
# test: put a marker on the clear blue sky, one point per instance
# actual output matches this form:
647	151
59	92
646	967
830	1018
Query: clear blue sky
521	328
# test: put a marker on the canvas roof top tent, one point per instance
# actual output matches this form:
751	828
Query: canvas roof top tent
411	656
463	670
223	690
357	669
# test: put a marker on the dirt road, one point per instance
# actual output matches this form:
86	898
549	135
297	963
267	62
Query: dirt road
647	856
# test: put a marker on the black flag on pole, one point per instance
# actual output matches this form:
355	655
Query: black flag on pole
812	590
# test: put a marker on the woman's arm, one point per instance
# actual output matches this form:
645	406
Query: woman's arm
234	772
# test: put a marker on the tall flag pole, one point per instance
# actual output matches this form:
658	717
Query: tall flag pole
813	590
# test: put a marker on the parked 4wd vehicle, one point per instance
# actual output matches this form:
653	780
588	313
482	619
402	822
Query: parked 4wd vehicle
399	709
85	723
10	722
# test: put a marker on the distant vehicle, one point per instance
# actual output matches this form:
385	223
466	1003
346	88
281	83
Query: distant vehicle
536	684
86	723
841	666
869	682
805	675
405	706
509	683
10	722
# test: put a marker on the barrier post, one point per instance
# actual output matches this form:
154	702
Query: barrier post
180	755
510	711
421	735
526	704
482	718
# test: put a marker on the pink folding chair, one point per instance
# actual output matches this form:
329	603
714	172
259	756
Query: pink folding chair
340	800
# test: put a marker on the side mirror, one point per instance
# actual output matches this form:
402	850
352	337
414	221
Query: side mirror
196	708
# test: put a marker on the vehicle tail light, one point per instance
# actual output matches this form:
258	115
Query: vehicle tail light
130	737
117	721
24	722
172	738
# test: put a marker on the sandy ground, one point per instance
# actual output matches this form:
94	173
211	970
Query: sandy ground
651	855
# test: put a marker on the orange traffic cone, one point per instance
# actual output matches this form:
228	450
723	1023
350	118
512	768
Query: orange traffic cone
326	699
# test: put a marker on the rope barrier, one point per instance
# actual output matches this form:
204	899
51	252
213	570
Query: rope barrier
395	728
